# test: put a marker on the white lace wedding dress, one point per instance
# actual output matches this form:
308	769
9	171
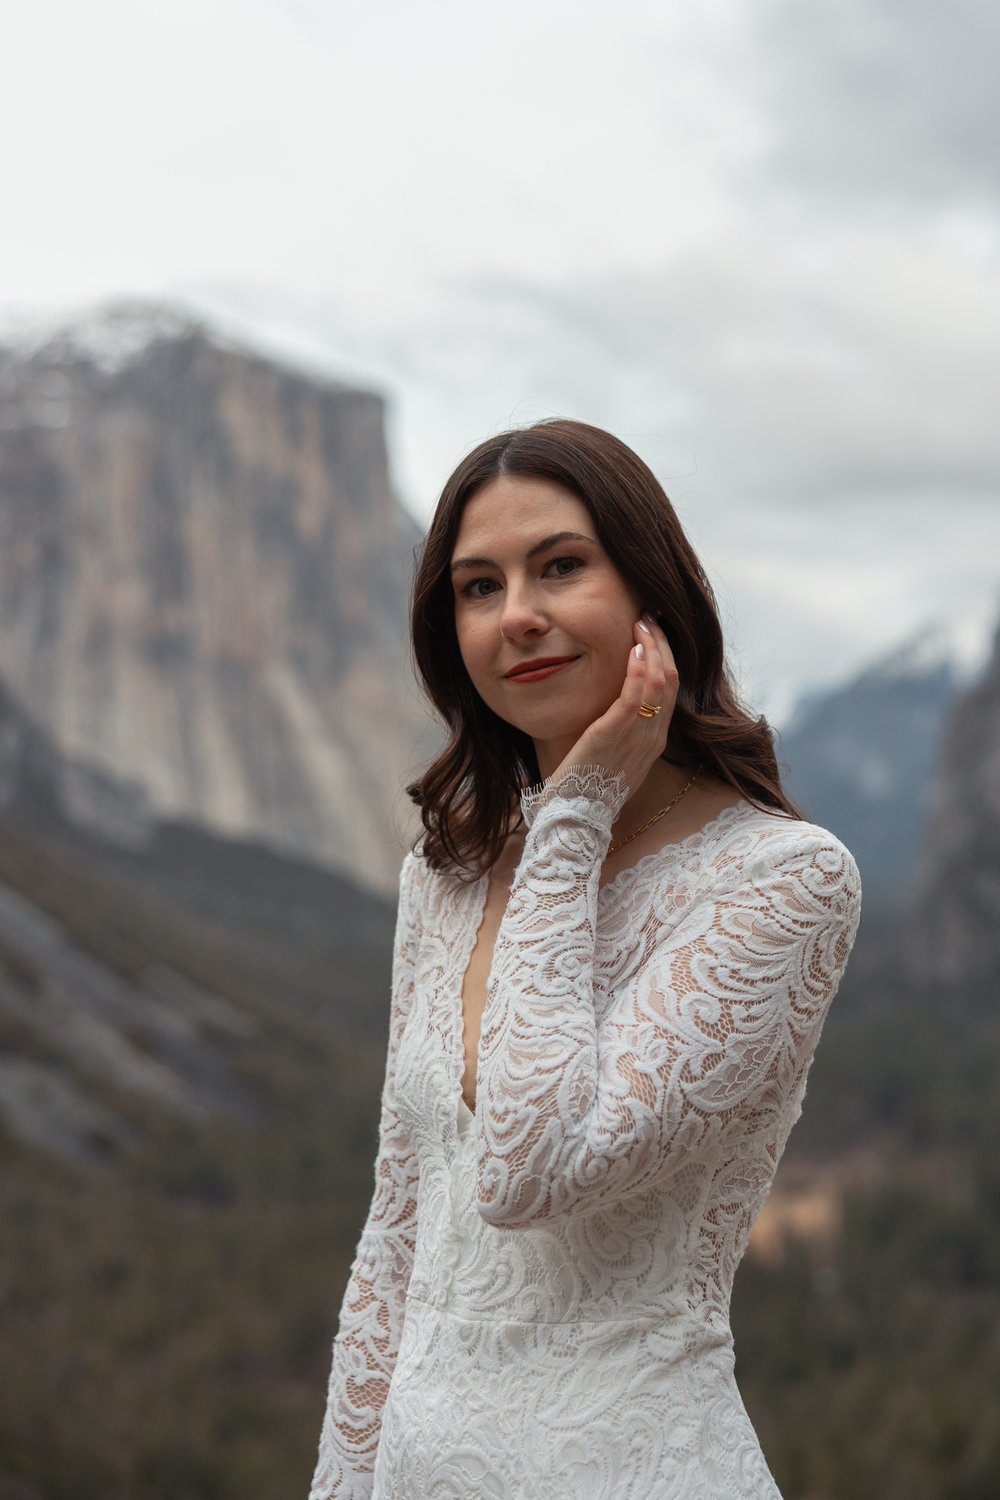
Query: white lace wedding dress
538	1308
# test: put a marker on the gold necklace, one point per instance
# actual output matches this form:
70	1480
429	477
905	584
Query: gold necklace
661	814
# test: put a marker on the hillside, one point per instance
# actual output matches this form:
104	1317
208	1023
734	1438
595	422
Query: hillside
192	1038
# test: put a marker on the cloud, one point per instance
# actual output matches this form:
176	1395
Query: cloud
863	364
822	423
890	100
759	239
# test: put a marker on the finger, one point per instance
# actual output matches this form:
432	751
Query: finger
663	646
659	688
635	676
644	678
638	664
658	633
656	669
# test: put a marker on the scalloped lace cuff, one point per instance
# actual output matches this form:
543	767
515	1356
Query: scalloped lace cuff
593	784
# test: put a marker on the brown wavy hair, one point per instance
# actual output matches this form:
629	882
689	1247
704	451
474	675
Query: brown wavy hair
469	796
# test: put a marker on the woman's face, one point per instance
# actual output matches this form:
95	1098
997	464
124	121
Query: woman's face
523	592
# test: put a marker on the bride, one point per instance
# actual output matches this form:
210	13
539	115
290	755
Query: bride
616	944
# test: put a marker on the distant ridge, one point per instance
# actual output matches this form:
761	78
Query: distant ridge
861	758
952	936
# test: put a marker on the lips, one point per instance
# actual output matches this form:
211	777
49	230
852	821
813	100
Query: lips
537	664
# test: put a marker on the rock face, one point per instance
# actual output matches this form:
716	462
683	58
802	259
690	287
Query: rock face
140	960
953	935
862	759
203	583
37	785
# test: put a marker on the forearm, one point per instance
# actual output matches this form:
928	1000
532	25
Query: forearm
538	1072
585	1098
364	1358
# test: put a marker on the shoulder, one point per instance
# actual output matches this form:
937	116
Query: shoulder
421	884
415	871
412	877
757	849
769	831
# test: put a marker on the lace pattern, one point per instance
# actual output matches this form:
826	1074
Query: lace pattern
643	1057
592	785
712	1028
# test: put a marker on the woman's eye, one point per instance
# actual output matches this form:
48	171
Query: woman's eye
468	588
576	561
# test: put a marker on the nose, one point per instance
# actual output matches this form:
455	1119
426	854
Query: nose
522	614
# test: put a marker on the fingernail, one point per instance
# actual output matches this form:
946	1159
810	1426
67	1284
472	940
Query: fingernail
643	626
640	653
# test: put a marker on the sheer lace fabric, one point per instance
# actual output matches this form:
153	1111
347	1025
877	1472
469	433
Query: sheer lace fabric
539	1303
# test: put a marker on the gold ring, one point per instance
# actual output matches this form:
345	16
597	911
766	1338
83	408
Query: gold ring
649	710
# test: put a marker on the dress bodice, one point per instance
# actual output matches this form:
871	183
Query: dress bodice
643	1057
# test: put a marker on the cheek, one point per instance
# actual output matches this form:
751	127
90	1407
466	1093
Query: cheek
617	638
472	647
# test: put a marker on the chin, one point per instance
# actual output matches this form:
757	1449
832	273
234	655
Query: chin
551	723
554	730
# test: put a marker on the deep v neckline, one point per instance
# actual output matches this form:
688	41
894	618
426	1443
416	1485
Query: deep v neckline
673	850
480	890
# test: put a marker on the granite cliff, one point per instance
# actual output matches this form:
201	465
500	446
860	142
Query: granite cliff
203	582
952	935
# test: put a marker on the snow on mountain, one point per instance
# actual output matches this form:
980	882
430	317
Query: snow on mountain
958	647
117	333
204	572
862	756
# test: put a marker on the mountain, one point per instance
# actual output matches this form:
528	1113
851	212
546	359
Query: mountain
952	935
861	759
37	783
152	971
192	1041
204	578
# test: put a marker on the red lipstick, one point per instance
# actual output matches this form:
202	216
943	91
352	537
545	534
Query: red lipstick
542	666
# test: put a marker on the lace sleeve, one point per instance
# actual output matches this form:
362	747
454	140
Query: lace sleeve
371	1315
717	1025
594	786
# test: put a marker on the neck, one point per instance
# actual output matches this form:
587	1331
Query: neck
550	754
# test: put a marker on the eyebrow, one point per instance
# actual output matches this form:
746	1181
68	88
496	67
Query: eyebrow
548	541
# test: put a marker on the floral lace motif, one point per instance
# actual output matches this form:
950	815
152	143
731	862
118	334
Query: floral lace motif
591	783
562	1293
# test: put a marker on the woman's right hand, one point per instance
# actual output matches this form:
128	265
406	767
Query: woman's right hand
622	739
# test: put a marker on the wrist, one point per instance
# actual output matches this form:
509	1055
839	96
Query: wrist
589	784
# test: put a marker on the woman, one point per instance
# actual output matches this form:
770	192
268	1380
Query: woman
615	949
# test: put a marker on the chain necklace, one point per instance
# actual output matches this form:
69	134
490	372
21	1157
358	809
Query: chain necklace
661	814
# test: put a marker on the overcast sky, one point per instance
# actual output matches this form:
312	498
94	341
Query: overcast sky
759	239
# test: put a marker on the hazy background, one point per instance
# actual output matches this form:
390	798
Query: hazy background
760	241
